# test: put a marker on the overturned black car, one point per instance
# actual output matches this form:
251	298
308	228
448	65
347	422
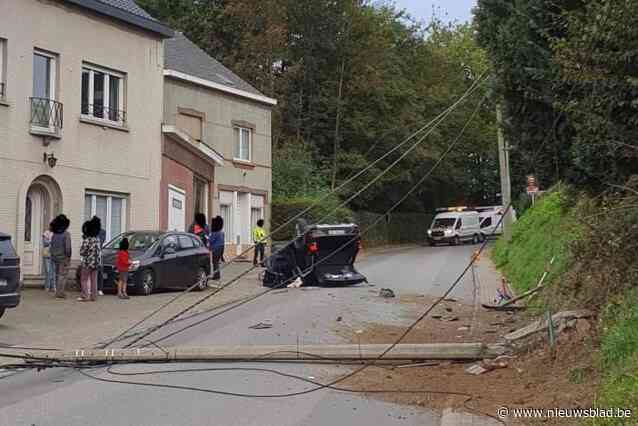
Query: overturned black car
319	255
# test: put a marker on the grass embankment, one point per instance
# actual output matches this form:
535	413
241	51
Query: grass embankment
595	269
543	232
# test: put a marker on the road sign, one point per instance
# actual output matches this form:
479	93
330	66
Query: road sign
532	186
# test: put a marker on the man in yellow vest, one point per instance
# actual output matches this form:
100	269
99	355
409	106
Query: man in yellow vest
259	238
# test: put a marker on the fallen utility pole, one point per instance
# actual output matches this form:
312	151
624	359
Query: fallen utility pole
348	352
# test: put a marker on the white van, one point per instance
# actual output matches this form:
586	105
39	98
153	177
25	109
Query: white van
455	228
491	221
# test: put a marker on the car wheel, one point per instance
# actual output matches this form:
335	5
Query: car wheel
2	312
148	282
432	243
202	280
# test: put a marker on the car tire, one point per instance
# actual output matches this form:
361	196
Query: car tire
202	280
432	243
2	312
148	282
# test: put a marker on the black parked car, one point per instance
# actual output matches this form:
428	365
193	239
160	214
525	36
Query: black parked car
9	275
159	260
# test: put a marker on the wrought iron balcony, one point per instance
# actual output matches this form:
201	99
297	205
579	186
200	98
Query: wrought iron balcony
100	112
46	115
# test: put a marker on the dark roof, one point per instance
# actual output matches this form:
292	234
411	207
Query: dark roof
127	11
181	54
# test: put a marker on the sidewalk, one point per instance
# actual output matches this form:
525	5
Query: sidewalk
45	322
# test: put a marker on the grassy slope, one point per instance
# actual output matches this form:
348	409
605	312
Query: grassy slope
541	233
545	231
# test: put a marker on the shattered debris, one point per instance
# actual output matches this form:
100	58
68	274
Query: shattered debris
261	326
386	292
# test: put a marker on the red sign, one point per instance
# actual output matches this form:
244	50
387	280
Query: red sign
532	186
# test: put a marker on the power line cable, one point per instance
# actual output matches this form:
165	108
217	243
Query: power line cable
416	186
434	121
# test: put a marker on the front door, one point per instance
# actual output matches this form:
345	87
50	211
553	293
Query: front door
35	216
176	209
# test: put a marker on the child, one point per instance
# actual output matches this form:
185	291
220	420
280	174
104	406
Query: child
259	238
123	265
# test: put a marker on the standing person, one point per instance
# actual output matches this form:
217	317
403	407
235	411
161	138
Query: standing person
259	238
200	228
216	241
90	253
123	265
61	252
100	273
49	266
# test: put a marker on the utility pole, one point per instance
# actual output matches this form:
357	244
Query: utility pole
506	187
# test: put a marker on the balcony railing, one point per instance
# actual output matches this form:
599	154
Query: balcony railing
100	112
46	114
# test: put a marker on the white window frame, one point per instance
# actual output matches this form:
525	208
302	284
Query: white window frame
92	69
53	72
238	144
3	62
109	204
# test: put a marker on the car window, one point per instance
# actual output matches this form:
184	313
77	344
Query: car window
142	241
171	240
459	224
6	248
487	222
443	223
186	242
197	241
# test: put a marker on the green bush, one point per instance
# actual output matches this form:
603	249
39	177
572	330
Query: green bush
544	231
283	209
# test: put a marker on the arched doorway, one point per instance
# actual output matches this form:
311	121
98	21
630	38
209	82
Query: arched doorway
43	202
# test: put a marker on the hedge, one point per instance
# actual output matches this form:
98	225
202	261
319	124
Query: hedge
397	228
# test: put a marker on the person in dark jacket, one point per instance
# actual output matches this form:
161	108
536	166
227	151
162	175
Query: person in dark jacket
61	251
216	244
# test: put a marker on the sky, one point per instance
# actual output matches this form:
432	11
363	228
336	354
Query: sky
447	10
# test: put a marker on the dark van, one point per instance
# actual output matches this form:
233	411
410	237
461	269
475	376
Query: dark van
9	274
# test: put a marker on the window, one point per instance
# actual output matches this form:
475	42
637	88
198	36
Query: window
111	209
256	210
3	62
191	124
487	222
185	242
243	143
170	241
44	67
200	196
27	220
103	95
46	113
459	224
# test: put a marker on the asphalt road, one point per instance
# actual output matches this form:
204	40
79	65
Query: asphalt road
298	316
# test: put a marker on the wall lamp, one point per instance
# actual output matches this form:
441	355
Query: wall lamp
50	159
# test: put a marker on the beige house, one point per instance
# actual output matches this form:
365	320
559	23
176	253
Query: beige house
80	117
216	145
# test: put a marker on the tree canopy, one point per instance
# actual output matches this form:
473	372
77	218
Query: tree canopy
353	79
